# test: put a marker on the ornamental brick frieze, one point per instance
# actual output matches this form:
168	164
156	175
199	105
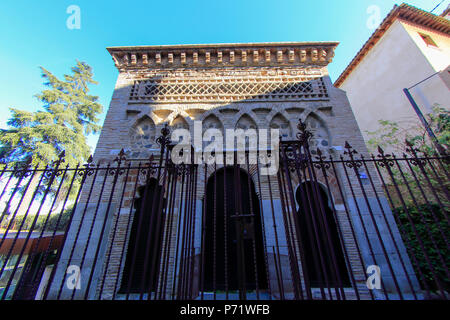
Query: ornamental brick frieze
225	73
222	55
221	73
226	90
219	85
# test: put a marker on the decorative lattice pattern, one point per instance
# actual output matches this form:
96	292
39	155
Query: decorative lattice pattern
220	90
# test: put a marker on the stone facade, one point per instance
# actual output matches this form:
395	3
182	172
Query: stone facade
269	85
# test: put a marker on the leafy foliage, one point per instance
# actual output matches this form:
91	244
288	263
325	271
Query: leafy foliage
420	184
393	136
70	113
51	225
427	235
419	180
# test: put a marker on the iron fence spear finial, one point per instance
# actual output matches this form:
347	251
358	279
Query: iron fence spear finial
304	134
120	157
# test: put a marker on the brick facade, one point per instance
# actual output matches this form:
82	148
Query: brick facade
225	86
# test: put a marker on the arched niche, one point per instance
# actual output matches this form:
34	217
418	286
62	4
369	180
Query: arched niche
321	137
325	261
230	193
147	226
211	122
179	123
281	123
142	134
245	122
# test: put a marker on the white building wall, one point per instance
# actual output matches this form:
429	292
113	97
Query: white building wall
375	87
433	91
439	57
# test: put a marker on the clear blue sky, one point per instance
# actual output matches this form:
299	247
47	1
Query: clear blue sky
34	33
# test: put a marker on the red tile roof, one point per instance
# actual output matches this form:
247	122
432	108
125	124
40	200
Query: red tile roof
403	12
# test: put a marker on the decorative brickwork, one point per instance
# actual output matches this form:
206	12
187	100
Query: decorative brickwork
213	87
229	86
224	55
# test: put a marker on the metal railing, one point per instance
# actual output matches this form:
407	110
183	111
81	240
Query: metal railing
325	226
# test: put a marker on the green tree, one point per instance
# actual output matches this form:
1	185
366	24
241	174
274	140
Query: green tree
393	136
433	261
431	175
69	114
420	186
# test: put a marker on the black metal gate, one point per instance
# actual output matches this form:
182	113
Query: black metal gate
325	226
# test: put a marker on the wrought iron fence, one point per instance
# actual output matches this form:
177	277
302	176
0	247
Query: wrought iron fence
325	226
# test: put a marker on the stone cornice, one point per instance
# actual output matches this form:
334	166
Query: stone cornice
224	55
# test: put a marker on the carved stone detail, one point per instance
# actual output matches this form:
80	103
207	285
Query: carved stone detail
232	57
255	56
279	56
314	55
267	55
142	134
320	138
281	123
244	56
291	56
217	55
302	55
225	86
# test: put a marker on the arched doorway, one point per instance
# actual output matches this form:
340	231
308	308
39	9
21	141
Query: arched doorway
308	196
146	205
234	248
